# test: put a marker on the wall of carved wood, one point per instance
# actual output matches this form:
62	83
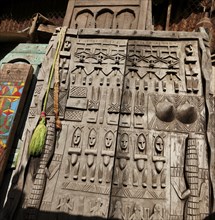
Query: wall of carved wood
137	130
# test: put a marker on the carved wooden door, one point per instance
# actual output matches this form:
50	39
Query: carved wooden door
132	144
91	82
161	165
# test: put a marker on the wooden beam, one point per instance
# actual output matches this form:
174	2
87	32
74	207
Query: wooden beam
82	3
169	9
13	37
142	15
149	25
140	34
69	13
50	29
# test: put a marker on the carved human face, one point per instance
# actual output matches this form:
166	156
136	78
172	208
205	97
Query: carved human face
124	141
67	43
92	138
141	142
159	145
77	136
108	139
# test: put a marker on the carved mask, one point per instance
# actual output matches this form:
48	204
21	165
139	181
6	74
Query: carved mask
141	142
77	136
108	139
159	145
124	141
67	43
92	138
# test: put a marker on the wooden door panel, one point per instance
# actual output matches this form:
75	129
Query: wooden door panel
161	148
14	83
132	144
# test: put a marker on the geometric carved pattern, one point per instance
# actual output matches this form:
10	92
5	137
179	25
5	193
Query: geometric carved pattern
62	103
86	188
74	115
93	105
79	92
140	194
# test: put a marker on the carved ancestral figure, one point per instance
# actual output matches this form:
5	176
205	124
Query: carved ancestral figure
64	60
159	161
91	152
107	153
98	209
67	43
157	213
122	156
191	70
73	153
138	213
117	213
140	157
64	204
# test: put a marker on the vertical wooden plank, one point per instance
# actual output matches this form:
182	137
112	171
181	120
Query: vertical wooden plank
149	25
14	83
69	12
168	15
142	14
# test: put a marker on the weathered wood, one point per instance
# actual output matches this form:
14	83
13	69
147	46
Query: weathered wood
132	34
69	13
47	28
13	37
14	82
169	9
142	15
149	25
133	143
107	3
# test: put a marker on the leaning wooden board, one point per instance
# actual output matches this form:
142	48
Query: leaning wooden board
14	84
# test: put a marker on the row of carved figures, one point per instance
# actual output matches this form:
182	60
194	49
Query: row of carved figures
100	208
122	155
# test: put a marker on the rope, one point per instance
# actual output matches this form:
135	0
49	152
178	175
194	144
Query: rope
56	84
60	41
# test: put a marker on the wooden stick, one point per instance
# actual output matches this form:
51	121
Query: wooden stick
168	15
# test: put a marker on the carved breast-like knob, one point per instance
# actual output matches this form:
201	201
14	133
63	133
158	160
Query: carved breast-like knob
165	111
186	113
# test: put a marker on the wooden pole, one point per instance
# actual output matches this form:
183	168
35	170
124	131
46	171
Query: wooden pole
168	15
